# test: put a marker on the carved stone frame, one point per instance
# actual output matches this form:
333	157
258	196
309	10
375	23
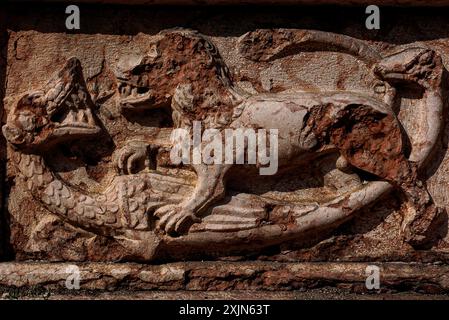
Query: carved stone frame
198	276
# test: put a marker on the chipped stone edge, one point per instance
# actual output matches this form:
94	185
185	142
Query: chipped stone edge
3	44
224	276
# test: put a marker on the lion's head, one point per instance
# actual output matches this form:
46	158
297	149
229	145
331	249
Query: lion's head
174	58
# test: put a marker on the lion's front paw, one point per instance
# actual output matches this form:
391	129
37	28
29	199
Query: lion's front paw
175	219
130	158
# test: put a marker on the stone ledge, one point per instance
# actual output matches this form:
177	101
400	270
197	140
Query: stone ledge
224	276
259	2
311	294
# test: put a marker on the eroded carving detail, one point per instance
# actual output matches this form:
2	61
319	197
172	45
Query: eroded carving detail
146	210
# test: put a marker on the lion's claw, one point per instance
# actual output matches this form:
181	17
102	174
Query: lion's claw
127	158
175	219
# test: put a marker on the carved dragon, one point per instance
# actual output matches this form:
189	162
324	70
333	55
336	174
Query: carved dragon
185	71
62	112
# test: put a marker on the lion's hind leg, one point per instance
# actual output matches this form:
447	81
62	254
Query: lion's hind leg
372	141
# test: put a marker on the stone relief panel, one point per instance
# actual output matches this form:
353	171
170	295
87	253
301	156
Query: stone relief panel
89	144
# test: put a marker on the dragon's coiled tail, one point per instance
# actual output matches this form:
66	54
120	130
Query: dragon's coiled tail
126	205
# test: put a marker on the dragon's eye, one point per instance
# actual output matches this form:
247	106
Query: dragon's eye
27	120
34	97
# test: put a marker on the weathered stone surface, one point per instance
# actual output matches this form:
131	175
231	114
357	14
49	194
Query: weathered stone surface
310	294
3	223
224	276
362	126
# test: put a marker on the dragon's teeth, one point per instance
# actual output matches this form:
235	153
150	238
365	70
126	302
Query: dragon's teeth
81	117
90	118
70	117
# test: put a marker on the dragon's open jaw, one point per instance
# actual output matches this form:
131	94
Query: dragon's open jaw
80	122
134	97
73	115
